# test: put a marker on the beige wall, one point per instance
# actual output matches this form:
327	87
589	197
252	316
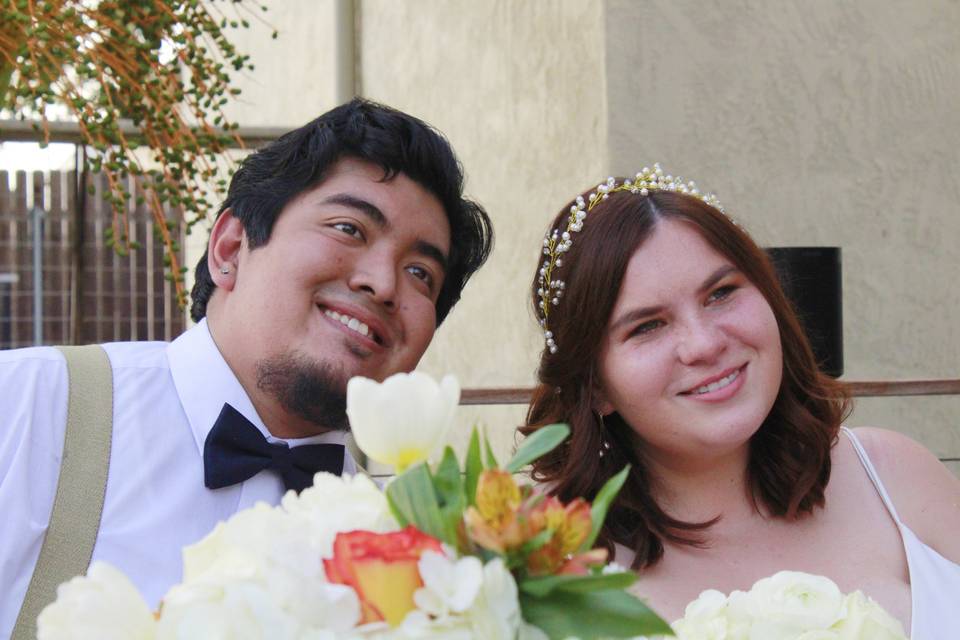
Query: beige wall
518	88
824	123
292	81
818	123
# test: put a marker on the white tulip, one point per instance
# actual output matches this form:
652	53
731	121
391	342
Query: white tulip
402	420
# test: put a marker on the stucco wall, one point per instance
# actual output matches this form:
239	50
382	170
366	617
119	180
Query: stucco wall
518	88
818	124
291	83
823	123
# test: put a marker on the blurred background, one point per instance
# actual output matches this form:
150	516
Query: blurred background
816	123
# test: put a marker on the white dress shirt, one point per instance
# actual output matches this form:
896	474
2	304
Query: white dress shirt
166	398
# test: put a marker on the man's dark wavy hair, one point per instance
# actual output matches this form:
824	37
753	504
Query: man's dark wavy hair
268	179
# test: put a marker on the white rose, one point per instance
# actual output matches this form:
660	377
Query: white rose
103	604
273	557
402	420
336	504
790	603
867	620
704	618
242	610
234	610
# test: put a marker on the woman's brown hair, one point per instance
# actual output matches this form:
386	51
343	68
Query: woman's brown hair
789	461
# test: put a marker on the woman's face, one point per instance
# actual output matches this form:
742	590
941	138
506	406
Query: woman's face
692	358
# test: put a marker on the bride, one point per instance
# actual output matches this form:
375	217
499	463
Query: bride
670	346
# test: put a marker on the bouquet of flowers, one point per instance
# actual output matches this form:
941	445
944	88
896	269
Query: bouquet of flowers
444	551
787	606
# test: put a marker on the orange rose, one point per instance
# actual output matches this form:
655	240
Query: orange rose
382	569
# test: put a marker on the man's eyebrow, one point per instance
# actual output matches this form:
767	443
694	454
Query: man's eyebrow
367	208
432	251
370	210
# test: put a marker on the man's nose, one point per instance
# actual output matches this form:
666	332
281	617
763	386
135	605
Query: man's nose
375	274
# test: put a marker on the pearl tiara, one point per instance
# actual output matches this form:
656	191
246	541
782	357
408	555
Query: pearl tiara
555	244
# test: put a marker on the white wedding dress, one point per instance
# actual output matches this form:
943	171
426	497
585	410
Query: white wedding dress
934	580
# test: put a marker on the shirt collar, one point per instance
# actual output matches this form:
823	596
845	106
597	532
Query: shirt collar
204	382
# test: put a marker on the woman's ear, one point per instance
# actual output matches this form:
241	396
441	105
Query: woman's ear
223	249
600	403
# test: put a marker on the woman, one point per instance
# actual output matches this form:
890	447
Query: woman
670	346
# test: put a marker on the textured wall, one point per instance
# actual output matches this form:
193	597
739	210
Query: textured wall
818	123
292	81
518	88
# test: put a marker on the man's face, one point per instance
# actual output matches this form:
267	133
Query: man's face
346	285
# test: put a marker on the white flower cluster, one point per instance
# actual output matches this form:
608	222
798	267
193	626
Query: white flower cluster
261	575
787	606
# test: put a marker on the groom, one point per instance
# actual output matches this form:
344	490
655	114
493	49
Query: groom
339	249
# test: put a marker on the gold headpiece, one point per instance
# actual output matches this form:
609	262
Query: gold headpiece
555	244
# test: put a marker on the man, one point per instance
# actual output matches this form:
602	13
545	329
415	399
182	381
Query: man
339	249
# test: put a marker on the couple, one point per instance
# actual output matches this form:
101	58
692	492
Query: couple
340	248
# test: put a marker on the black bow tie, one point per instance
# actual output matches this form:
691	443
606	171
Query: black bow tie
236	450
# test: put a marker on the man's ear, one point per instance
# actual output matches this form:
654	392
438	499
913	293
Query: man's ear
223	249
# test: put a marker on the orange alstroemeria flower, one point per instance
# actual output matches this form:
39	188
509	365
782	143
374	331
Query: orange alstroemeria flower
571	525
493	523
382	569
580	565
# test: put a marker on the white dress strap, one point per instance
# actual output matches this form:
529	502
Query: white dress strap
872	474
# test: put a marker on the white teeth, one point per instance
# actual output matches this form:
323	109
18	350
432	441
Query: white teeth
350	323
719	384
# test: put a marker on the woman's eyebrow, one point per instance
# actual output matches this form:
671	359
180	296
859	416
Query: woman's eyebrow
634	315
716	277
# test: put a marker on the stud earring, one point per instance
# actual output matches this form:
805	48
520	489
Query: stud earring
225	269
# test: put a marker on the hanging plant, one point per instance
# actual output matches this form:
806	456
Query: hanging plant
162	65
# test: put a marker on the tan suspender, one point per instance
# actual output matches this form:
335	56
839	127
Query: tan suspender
68	544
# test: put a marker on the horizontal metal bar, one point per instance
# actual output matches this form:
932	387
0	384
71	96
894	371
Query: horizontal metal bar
858	388
69	132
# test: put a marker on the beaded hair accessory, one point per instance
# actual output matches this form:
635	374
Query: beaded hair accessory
555	244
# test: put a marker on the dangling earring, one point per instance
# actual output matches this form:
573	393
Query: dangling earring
603	433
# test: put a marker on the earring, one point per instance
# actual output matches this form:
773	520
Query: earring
225	269
603	431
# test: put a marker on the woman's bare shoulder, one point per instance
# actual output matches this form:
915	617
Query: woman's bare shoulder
925	493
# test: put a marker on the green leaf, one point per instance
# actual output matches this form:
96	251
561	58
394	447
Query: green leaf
597	614
474	466
544	586
540	442
601	503
536	542
491	460
413	500
449	489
